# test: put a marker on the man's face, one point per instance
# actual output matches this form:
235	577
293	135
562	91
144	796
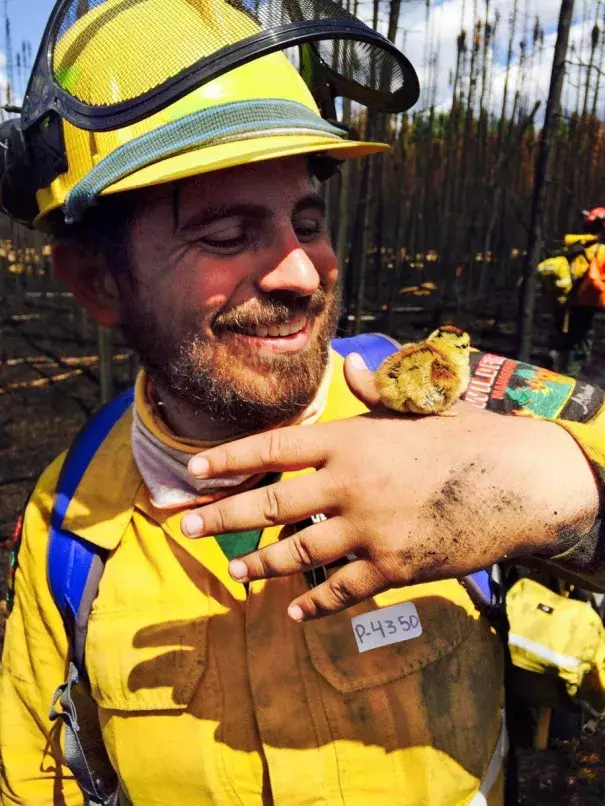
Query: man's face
233	300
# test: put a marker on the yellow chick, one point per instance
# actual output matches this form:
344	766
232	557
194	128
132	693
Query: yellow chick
428	377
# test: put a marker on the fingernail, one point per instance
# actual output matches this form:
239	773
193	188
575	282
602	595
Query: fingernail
198	466
356	360
295	612
192	525
238	570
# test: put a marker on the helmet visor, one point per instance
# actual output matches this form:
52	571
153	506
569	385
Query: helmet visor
104	64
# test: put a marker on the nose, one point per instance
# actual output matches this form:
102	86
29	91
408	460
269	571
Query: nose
293	271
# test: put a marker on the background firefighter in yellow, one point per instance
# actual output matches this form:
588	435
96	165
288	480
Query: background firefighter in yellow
172	151
574	283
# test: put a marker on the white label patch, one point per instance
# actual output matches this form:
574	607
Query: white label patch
387	626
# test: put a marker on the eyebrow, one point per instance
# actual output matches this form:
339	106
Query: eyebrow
313	201
204	217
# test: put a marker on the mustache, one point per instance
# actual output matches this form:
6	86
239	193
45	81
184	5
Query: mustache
271	311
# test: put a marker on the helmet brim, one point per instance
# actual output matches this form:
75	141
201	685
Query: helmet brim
231	155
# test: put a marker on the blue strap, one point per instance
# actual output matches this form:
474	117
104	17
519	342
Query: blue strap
372	347
483	580
70	558
74	570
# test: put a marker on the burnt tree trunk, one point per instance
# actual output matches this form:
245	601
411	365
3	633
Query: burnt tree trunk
536	235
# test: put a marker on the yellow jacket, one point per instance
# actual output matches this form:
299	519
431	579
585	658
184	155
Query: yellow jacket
560	272
208	694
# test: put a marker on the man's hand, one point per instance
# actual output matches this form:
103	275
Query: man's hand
415	499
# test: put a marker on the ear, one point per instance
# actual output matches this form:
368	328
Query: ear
87	277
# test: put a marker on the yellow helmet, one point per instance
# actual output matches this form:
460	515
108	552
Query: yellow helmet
131	93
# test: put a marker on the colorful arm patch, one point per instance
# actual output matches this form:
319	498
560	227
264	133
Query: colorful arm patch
507	386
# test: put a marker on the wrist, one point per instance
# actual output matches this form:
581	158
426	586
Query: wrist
562	492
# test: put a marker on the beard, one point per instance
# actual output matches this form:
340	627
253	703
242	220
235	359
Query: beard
223	377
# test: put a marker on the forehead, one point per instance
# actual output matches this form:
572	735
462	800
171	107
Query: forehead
273	184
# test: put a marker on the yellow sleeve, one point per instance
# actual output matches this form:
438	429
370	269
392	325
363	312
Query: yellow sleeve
556	276
586	559
34	663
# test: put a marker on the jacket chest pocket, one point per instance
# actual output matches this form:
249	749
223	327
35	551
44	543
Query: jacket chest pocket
422	713
423	624
147	660
160	705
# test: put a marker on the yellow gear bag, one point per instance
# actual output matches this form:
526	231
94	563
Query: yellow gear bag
557	648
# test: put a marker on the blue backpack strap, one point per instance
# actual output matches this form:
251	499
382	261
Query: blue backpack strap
374	348
75	567
75	564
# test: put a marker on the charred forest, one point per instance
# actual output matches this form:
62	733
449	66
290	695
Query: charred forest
446	220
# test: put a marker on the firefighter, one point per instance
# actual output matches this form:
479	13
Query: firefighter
173	151
574	283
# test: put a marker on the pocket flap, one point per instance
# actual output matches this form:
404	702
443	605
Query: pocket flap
445	612
146	660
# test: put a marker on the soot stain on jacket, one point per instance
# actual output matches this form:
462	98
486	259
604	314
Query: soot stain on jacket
453	688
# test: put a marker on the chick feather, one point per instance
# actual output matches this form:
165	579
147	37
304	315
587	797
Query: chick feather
426	377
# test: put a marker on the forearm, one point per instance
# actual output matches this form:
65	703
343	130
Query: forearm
535	490
532	395
586	557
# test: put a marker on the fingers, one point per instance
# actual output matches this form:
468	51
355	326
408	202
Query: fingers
361	381
354	583
316	545
291	448
275	504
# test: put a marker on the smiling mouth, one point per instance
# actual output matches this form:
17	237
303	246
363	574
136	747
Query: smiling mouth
297	325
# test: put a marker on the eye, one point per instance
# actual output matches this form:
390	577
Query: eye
308	228
226	245
226	237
